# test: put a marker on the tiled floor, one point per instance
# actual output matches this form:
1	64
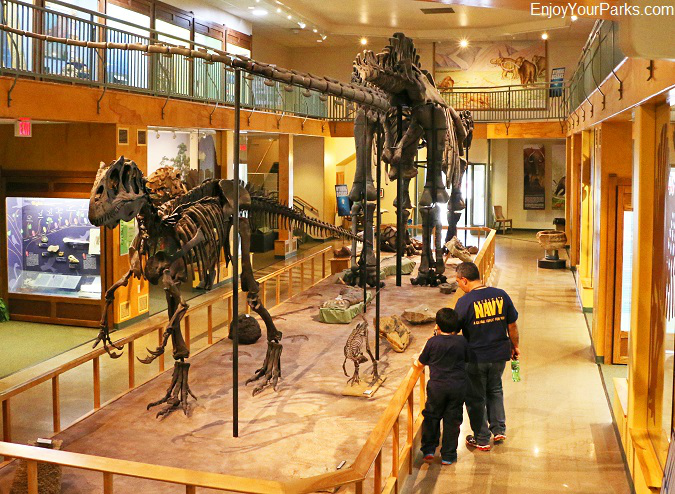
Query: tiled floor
560	432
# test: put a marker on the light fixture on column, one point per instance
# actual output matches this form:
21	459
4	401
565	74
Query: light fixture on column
544	36
364	41
463	43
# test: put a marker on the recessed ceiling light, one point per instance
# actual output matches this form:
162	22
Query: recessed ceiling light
259	12
463	43
289	17
574	18
544	36
314	30
278	11
323	37
319	41
364	41
302	25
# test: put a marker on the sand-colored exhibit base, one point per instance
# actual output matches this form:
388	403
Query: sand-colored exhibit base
306	428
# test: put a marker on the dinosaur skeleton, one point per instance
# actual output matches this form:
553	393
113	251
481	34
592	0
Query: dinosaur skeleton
417	107
356	343
179	228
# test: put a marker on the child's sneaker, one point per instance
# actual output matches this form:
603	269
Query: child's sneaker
447	462
500	438
428	458
471	442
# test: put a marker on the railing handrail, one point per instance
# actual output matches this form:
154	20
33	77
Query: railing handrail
357	472
98	352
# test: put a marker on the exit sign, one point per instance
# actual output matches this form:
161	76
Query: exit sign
23	128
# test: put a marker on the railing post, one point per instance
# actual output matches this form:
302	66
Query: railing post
229	309
263	286
290	282
423	389
302	276
107	483
395	450
187	331
278	289
132	370
411	430
97	383
6	421
358	487
313	267
190	489
56	404
209	326
323	265
377	475
160	338
32	476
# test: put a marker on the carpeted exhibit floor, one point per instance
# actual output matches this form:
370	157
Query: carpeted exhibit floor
306	428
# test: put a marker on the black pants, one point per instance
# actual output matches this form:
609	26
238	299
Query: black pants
444	402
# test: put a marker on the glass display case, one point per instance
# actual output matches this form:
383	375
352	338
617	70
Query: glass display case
52	249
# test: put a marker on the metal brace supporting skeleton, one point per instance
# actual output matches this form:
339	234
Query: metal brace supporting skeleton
178	229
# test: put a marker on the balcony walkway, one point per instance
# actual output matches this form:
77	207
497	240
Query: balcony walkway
560	432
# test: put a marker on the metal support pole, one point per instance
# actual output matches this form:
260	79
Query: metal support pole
235	258
364	209
399	198
378	231
466	198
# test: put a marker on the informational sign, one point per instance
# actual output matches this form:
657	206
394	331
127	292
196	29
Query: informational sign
127	235
95	241
534	173
557	81
343	203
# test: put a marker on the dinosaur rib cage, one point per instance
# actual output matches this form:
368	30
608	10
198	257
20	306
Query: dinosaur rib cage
205	216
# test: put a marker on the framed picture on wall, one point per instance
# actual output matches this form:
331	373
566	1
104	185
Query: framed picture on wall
534	177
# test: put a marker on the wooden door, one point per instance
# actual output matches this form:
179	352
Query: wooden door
622	282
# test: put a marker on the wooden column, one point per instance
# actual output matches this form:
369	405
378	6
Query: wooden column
286	245
574	199
613	161
648	317
584	279
568	189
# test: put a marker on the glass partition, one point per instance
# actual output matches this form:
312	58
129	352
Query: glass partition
52	249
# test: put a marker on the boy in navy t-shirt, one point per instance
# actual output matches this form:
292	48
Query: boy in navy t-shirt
487	318
445	353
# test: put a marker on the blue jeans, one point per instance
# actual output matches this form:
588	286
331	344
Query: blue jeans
485	400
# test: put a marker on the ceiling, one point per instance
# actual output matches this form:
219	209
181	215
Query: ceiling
344	22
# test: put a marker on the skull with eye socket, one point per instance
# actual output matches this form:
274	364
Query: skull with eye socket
119	193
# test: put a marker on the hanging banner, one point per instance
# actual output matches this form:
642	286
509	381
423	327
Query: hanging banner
557	80
534	167
344	205
558	172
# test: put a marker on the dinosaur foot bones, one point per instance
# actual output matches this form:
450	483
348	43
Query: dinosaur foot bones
271	369
430	278
177	395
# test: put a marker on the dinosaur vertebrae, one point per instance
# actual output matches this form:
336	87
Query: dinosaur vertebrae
265	210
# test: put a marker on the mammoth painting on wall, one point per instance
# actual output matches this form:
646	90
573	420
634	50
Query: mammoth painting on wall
487	64
534	170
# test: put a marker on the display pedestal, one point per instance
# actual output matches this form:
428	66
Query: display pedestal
338	265
262	242
285	248
364	389
552	261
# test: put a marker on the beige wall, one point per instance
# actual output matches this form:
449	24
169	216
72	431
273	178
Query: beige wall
269	51
508	181
308	171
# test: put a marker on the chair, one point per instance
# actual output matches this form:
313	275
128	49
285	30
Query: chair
500	221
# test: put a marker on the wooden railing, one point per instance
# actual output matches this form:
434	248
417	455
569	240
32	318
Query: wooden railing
368	464
308	276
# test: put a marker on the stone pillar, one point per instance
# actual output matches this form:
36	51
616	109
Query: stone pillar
286	246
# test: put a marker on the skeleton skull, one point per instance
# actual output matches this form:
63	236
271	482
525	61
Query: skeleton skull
118	194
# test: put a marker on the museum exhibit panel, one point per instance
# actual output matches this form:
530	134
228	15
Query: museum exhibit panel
251	214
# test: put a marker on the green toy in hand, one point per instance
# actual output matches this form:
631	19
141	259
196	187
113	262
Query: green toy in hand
515	371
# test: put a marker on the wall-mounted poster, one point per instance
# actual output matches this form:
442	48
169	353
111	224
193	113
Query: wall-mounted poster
488	64
344	205
534	168
557	80
558	172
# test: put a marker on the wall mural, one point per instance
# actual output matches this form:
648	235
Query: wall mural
534	172
490	64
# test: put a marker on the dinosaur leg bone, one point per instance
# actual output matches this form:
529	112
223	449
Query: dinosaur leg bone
177	393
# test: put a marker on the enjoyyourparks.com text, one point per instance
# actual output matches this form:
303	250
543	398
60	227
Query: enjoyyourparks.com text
599	10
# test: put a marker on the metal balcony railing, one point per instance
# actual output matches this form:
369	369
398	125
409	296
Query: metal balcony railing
541	101
174	76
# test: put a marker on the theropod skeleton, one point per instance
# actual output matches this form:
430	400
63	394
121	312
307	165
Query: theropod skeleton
179	228
418	114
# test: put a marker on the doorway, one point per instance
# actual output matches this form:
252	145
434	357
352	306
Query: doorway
474	191
624	267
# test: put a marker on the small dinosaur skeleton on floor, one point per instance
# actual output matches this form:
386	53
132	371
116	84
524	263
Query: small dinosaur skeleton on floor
182	229
358	339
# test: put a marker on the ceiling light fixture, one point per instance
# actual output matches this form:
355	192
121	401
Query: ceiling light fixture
544	36
289	17
364	41
302	25
315	30
319	41
278	11
574	18
259	12
463	43
323	37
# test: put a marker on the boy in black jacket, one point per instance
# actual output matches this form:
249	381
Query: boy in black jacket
445	353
